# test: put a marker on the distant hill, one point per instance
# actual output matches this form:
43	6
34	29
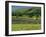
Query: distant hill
14	8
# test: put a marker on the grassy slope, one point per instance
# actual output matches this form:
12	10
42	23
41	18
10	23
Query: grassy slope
17	27
22	10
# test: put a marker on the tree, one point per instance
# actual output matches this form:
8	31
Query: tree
35	11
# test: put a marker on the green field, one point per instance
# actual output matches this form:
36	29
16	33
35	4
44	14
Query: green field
26	18
18	27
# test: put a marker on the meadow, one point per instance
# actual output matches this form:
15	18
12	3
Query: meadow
26	18
20	27
26	23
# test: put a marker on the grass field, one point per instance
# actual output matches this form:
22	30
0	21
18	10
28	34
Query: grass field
18	27
26	18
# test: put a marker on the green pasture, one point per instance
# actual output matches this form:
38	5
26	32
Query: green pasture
26	19
18	27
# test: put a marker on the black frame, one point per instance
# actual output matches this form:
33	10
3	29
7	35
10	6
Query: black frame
7	18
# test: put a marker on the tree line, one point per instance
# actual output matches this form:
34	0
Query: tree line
34	11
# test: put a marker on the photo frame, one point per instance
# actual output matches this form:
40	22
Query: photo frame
24	18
